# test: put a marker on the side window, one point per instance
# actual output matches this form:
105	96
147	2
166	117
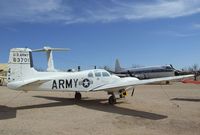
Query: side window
90	74
98	74
105	74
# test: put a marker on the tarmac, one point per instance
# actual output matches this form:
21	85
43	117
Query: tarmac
153	110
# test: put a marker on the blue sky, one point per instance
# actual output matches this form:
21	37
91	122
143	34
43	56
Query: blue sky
137	32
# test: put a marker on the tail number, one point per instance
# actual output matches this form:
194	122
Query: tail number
20	58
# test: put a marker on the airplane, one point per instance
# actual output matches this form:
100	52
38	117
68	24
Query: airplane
22	76
145	72
49	53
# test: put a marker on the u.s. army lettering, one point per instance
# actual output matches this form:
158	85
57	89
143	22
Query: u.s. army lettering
62	84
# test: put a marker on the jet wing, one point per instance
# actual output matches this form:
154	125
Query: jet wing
130	81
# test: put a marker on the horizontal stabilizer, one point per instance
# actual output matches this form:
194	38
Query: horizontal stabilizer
31	82
46	49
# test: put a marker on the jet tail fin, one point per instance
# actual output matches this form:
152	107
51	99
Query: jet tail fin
117	66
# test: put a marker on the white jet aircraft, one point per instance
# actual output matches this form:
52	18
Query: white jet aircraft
23	76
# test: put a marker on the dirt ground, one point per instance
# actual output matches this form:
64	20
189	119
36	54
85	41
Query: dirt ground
153	110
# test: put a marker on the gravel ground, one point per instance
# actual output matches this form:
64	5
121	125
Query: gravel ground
153	110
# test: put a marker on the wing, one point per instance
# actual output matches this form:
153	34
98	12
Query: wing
131	82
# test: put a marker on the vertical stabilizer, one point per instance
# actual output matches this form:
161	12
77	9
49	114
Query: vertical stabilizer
50	62
117	66
20	64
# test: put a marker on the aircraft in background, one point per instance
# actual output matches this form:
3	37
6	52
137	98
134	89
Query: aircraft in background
145	72
49	53
22	76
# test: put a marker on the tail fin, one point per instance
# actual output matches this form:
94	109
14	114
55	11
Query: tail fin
20	64
117	66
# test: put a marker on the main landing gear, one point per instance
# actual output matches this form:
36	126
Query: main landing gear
112	100
78	96
119	94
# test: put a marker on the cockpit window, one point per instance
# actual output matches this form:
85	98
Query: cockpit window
168	67
105	74
98	74
90	74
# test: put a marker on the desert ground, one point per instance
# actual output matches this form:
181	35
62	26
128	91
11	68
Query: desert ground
153	110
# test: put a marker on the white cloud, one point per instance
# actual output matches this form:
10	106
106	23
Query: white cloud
32	10
76	11
156	9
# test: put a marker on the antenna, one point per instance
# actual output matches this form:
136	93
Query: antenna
49	54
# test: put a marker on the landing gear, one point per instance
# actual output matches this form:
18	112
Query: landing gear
112	100
77	96
116	95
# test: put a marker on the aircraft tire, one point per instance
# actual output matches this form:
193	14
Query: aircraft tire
112	100
77	96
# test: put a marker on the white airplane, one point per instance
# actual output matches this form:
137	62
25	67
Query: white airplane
23	76
49	53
